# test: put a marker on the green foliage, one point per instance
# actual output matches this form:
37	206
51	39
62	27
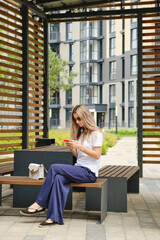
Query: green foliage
122	131
109	140
59	76
59	135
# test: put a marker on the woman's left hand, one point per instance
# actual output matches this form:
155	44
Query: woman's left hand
74	144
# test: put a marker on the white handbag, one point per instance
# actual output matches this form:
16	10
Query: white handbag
36	171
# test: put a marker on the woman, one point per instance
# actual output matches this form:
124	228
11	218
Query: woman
86	146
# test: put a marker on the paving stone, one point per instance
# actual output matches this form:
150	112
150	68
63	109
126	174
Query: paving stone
34	237
94	232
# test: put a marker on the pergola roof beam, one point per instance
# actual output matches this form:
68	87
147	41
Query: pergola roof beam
33	8
102	13
83	4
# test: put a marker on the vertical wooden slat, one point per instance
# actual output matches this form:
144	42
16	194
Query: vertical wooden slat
151	90
46	82
139	95
10	79
25	82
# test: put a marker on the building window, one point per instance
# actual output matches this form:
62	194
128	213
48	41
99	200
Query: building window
112	26
55	48
84	73
93	72
112	70
100	49
131	117
54	32
68	31
54	120
133	20
112	47
93	49
69	97
112	93
56	98
84	50
123	68
94	29
131	91
101	119
123	92
89	29
71	53
123	117
133	64
123	24
112	117
70	69
89	95
68	117
83	29
134	38
123	43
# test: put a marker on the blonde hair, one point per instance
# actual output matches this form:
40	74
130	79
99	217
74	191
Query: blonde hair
89	124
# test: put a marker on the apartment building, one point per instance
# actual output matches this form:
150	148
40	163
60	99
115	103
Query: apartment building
104	54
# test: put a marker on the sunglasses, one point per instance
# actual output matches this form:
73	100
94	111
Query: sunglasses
77	119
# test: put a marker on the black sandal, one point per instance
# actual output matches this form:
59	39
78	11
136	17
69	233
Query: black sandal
46	224
28	213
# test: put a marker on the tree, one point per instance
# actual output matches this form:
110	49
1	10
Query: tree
59	76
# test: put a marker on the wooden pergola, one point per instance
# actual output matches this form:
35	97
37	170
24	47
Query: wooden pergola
24	67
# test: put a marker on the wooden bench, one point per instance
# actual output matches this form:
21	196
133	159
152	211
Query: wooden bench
6	168
121	180
96	193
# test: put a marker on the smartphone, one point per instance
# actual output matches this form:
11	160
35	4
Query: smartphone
67	140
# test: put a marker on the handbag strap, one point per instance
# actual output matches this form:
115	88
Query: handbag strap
45	169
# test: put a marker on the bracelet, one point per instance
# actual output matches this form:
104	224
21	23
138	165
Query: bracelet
82	148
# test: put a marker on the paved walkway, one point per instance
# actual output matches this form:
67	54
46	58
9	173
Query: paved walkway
141	222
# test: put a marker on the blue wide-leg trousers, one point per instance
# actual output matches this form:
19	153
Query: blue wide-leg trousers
54	192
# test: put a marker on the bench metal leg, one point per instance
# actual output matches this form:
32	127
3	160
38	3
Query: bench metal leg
96	200
117	194
133	183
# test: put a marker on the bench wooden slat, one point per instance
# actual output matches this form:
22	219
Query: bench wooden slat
97	184
107	170
131	171
114	170
105	167
22	180
118	171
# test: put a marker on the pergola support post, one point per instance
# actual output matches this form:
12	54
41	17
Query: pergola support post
46	83
25	77
140	97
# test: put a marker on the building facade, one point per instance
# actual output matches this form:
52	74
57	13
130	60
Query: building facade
104	54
